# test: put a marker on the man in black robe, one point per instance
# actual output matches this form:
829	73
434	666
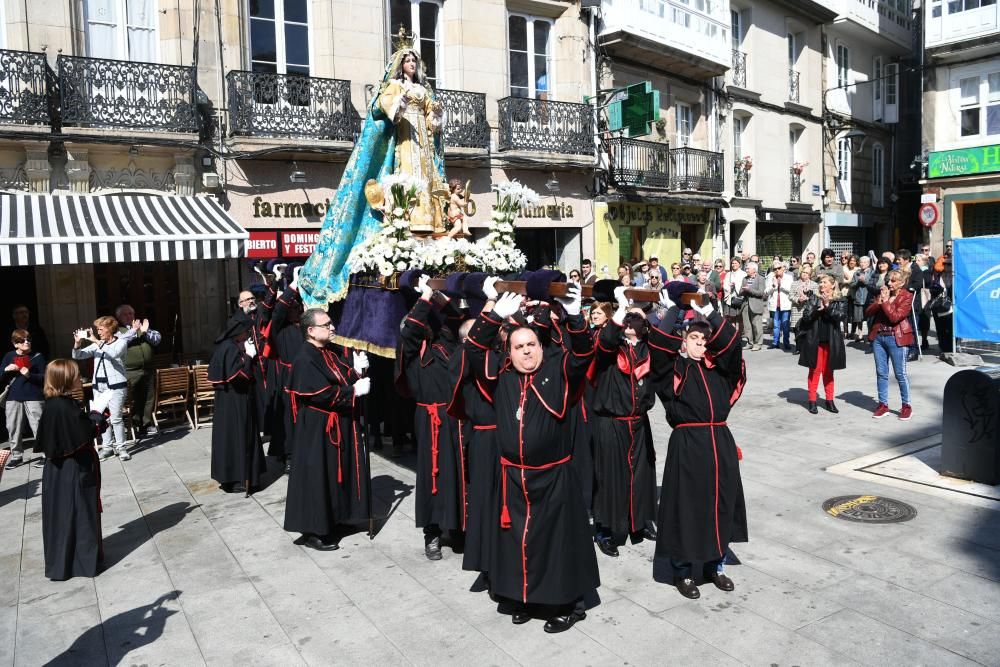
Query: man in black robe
259	311
624	460
702	508
542	546
237	453
327	486
422	371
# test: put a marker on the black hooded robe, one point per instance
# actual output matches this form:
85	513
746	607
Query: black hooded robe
471	405
71	490
422	370
260	319
237	452
327	486
702	509
284	341
624	459
543	552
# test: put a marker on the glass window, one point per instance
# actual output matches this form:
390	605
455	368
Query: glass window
993	104
969	99
121	29
279	36
739	125
529	47
737	28
685	123
422	20
843	65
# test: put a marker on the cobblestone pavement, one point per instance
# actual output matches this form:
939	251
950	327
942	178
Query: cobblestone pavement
198	576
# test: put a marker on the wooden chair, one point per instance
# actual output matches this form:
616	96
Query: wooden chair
173	387
203	392
162	360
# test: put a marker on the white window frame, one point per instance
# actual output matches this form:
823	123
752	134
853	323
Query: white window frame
532	54
438	78
121	29
843	64
688	115
843	171
736	25
878	85
878	176
793	48
739	134
279	37
982	72
794	135
890	95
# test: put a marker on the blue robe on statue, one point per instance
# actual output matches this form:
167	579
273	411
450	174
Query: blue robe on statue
350	221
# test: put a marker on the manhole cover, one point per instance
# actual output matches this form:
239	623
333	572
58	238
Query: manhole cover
869	509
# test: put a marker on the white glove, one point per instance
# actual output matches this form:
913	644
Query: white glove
507	305
250	348
360	362
424	287
278	270
705	311
362	387
573	300
295	278
490	288
622	300
665	299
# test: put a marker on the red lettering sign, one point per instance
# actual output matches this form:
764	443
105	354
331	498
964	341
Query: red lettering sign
298	243
262	245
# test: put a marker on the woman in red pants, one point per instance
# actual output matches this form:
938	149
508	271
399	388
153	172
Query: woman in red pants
821	347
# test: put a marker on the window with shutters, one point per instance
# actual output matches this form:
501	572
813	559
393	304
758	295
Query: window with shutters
877	86
530	51
981	219
121	29
422	20
684	119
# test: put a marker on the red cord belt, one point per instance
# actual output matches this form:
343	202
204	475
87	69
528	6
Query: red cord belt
432	413
504	464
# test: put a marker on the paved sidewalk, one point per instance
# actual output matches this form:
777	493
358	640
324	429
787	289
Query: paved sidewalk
197	576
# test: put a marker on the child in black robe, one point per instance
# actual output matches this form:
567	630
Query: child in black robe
701	502
71	520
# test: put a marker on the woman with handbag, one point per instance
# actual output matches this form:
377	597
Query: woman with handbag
821	345
732	300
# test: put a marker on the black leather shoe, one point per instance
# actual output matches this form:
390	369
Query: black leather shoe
563	623
607	547
520	617
722	582
649	533
832	407
432	547
687	588
912	357
812	408
237	488
288	466
314	542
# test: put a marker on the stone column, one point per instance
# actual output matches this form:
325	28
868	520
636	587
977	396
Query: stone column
38	169
78	170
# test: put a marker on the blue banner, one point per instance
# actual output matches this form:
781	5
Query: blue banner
977	288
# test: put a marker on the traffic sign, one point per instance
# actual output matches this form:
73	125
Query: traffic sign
928	215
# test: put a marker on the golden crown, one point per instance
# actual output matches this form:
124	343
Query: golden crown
402	41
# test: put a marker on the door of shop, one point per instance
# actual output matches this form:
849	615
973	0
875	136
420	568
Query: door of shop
151	288
784	240
981	219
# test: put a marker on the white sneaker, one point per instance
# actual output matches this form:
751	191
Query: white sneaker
123	454
105	453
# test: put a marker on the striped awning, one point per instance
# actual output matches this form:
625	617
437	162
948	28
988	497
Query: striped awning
37	229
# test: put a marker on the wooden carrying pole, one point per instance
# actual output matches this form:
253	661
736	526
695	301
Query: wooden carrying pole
559	289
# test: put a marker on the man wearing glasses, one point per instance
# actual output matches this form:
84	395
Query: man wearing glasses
925	250
686	256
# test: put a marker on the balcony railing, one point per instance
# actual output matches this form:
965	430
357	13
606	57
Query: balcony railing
739	69
635	163
290	105
795	185
543	125
793	86
695	169
24	90
741	179
465	123
95	92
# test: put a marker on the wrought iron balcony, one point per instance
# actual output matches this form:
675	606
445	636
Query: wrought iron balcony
120	94
793	86
634	163
739	69
290	105
741	178
795	185
465	123
24	88
695	169
542	125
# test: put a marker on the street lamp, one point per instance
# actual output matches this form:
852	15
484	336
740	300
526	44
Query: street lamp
856	133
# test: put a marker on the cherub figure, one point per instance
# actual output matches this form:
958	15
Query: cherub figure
456	209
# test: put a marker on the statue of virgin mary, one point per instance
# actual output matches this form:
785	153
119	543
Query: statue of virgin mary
401	134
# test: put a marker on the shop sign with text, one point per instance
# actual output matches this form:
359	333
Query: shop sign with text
964	161
265	244
629	213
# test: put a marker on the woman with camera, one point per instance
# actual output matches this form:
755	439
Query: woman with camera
821	344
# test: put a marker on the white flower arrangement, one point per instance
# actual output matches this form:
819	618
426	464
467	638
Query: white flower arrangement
392	249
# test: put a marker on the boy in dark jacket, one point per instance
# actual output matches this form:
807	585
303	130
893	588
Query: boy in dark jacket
24	372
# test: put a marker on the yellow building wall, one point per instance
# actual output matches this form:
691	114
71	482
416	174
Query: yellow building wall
661	224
